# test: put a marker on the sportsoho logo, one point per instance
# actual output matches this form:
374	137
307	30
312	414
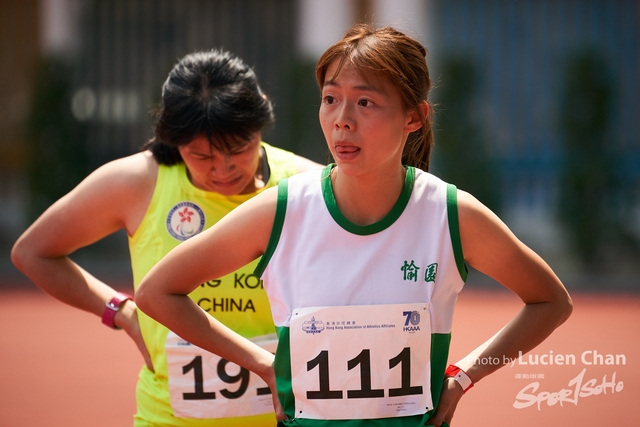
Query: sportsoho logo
185	220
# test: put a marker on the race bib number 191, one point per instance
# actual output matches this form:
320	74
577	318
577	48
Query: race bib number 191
203	385
361	362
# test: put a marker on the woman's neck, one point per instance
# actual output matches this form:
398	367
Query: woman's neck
367	199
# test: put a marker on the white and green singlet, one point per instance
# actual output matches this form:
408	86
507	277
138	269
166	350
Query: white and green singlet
363	313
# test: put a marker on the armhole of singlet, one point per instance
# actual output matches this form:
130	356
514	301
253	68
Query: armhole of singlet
266	169
454	230
151	209
278	222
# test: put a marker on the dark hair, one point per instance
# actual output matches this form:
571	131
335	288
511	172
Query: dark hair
212	94
402	60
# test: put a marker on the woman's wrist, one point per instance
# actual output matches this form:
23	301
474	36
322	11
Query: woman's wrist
125	315
112	308
264	364
459	376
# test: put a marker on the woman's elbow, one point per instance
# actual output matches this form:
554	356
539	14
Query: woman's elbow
564	305
20	254
144	297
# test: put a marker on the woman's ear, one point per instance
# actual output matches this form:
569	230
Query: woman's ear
417	116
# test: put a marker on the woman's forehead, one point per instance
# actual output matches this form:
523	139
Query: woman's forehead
228	145
360	78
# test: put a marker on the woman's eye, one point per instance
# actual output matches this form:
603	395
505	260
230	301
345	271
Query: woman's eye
238	152
364	103
329	99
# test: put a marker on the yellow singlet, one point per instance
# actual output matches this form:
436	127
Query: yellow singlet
179	210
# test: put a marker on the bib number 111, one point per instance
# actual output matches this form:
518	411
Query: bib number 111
366	391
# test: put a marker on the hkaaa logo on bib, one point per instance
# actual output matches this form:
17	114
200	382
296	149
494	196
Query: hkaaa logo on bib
185	220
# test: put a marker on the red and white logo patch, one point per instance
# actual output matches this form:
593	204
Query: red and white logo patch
185	220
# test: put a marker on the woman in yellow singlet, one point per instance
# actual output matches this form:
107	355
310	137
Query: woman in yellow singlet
205	159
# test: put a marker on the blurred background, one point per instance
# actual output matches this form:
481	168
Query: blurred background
538	106
538	116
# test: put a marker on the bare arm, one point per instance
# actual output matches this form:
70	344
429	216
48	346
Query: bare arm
113	197
491	248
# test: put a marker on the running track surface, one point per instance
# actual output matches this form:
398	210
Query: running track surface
62	367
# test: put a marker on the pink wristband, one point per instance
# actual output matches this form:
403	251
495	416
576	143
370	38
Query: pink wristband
112	307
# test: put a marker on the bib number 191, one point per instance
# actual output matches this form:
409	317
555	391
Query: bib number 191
204	385
198	381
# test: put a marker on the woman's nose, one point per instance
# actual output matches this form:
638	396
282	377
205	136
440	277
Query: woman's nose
344	118
222	163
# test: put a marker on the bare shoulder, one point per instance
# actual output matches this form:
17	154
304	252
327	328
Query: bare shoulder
121	190
258	210
113	197
488	244
491	247
131	176
478	219
304	165
133	172
251	222
481	230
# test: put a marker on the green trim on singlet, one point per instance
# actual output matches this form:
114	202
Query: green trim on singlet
454	230
282	367
365	230
276	230
282	370
439	356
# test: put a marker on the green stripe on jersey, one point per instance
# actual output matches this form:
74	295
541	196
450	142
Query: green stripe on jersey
454	230
276	230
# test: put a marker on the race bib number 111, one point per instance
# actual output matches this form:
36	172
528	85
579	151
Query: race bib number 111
361	362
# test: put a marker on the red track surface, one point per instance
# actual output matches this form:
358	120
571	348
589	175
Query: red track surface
61	367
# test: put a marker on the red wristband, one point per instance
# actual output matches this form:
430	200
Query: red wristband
460	376
112	307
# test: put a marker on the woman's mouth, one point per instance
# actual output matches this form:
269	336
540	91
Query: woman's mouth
346	152
226	183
